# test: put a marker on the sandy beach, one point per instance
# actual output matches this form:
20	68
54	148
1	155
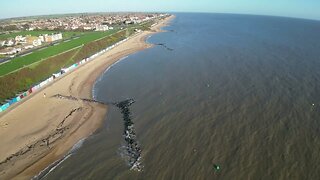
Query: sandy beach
41	130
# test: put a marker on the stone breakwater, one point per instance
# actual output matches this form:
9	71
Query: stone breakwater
132	148
165	46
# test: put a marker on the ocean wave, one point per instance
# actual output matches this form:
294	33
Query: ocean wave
57	163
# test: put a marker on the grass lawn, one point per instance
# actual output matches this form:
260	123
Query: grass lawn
42	54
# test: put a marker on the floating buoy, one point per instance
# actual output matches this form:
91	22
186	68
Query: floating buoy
216	167
312	104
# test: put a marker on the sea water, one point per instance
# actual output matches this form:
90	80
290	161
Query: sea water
238	91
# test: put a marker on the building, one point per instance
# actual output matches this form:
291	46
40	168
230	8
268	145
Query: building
2	43
9	42
52	37
41	38
102	28
20	38
87	28
74	27
34	41
128	22
10	51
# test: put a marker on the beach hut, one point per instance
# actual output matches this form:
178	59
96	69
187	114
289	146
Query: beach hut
5	106
17	99
43	83
12	101
83	61
64	70
35	88
56	75
50	79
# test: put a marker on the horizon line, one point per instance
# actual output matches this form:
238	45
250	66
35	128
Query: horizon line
169	12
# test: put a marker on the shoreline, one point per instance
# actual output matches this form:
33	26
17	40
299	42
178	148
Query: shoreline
41	130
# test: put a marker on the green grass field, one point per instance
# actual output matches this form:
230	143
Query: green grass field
42	54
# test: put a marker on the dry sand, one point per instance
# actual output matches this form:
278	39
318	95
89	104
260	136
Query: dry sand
41	129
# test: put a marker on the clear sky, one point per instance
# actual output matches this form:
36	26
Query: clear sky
293	8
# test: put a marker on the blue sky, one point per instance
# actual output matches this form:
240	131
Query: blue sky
292	8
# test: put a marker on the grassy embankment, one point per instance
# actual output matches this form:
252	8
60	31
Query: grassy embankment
21	73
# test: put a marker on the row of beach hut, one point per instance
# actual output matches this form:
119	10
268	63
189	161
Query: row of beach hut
40	85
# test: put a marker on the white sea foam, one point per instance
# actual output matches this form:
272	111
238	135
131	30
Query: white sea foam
57	163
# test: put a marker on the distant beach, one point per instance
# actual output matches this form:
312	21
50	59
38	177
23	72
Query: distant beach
42	129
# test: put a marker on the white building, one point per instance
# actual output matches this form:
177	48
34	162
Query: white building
2	43
74	27
87	28
10	51
102	28
28	47
52	37
20	38
37	42
9	43
34	41
41	38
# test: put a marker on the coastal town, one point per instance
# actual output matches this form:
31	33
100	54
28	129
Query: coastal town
42	31
61	61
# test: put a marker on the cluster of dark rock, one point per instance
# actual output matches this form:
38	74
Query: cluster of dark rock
59	96
71	98
132	148
165	46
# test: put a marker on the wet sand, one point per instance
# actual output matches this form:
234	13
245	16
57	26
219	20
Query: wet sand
41	130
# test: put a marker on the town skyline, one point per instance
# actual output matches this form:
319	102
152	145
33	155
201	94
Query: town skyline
296	9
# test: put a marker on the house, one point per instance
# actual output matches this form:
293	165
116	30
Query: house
34	41
102	28
9	42
74	27
52	37
10	51
88	28
2	43
41	37
20	40
128	22
28	47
